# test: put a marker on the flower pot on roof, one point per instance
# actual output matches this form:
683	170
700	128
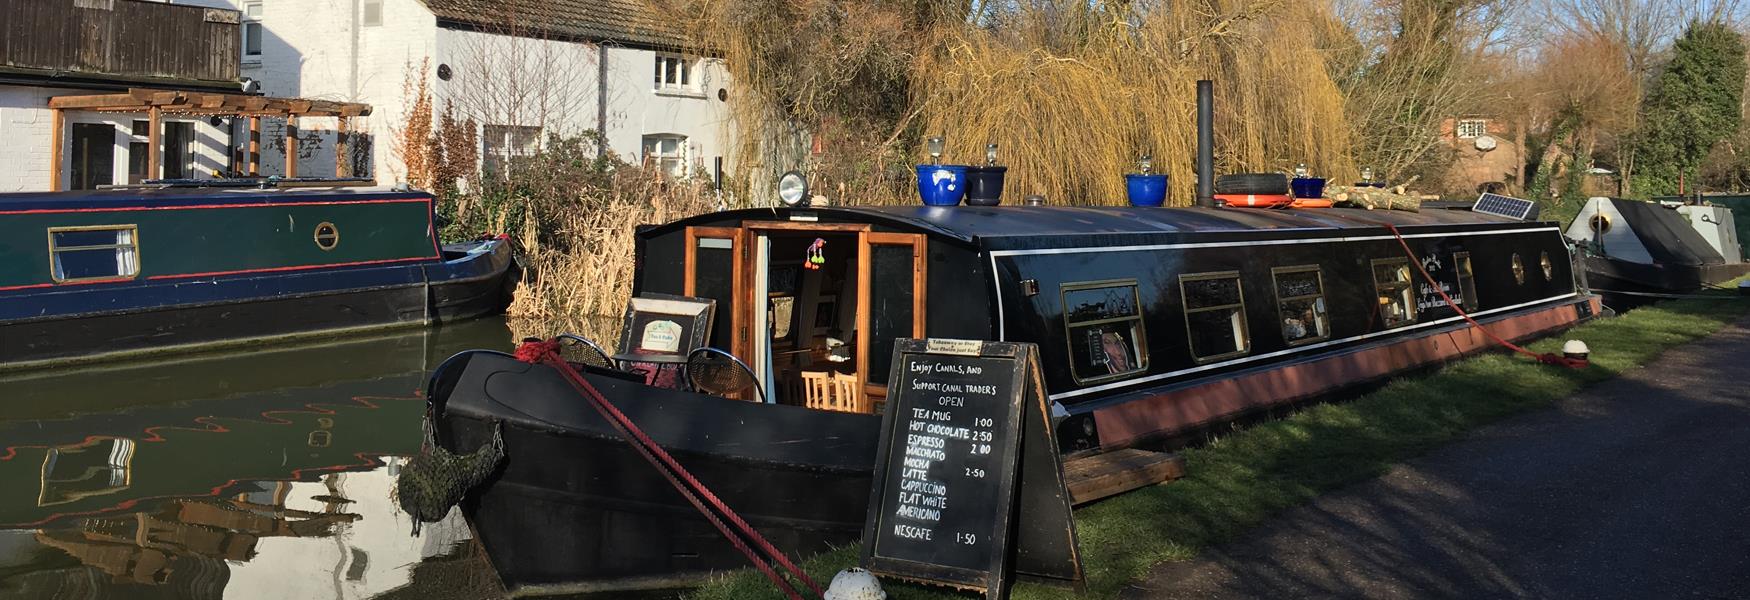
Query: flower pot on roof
1145	188
1304	185
939	184
984	185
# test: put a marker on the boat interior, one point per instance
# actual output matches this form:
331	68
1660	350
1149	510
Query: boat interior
826	301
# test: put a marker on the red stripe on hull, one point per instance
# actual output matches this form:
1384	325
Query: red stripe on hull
1183	409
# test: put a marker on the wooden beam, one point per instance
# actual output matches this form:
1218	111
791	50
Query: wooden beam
342	162
95	101
254	146
291	146
1109	474
57	127
154	139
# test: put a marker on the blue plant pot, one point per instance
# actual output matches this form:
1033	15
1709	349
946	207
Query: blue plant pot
941	185
1308	187
1146	190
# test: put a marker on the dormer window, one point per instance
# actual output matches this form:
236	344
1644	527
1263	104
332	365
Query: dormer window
674	72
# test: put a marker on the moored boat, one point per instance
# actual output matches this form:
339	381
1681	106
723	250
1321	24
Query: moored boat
92	275
1634	249
1150	323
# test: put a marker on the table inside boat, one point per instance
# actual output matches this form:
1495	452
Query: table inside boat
660	370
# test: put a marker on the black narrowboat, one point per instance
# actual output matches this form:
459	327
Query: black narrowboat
1150	322
94	275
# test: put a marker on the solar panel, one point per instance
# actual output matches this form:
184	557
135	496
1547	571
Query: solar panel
1506	206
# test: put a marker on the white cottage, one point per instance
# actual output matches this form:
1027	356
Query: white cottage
522	69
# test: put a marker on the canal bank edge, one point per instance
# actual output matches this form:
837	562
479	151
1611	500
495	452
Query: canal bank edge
1244	477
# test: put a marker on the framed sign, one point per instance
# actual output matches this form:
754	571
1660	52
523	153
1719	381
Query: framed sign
665	324
968	487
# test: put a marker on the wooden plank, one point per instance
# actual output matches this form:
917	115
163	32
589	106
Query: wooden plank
154	139
291	146
1109	474
96	101
254	146
57	129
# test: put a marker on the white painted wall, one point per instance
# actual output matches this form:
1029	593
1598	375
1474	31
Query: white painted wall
636	108
26	123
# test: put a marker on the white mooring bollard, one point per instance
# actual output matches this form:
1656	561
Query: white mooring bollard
855	584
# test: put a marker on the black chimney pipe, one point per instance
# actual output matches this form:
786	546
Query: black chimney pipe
1205	143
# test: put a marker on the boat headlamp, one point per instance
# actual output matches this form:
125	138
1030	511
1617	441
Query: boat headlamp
793	189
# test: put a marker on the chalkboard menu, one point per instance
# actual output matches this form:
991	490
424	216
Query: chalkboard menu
966	446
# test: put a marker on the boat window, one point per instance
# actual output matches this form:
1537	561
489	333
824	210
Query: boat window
101	252
1215	315
1467	280
1300	298
1103	320
1397	299
327	236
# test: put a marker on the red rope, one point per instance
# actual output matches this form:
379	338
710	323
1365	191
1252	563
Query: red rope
683	481
1548	358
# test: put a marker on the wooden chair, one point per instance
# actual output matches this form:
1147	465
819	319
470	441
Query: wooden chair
846	392
817	390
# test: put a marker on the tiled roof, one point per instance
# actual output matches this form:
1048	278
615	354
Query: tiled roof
631	22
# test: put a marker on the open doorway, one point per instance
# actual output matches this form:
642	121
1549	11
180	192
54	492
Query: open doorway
809	317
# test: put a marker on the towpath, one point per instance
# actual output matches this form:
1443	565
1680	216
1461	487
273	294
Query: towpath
1638	487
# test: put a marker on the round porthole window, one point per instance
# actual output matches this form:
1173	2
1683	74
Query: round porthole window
1600	223
1549	268
1518	269
327	236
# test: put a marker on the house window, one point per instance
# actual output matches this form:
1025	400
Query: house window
1467	281
101	252
666	152
373	10
1300	298
1103	320
1215	315
1397	299
673	72
252	31
1472	128
501	144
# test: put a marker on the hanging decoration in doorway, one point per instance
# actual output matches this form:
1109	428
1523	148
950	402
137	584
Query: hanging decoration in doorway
816	255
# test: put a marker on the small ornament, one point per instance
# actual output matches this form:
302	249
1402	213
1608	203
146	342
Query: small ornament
816	255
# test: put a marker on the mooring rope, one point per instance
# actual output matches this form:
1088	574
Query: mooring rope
701	497
1546	358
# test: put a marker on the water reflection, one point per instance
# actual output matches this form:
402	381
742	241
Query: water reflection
257	474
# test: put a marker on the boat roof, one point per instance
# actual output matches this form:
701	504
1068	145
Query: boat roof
189	196
985	225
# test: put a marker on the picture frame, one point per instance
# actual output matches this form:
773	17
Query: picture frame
665	324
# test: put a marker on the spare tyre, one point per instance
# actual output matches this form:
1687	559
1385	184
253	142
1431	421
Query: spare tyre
1252	183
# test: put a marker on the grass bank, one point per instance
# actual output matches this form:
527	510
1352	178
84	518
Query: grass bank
1245	477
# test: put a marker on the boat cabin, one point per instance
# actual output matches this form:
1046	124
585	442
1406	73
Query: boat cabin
1122	301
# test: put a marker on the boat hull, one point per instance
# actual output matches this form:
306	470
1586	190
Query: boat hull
800	477
1616	275
201	314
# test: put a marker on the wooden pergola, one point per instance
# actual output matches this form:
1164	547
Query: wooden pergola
157	103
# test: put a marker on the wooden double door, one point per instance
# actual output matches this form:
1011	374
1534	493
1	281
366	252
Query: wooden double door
813	297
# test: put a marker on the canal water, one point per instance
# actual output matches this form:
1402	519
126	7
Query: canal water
260	473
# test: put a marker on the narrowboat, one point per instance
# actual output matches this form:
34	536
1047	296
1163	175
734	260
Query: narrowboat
93	275
1635	250
1150	323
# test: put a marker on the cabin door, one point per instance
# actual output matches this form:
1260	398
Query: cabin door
890	305
713	270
